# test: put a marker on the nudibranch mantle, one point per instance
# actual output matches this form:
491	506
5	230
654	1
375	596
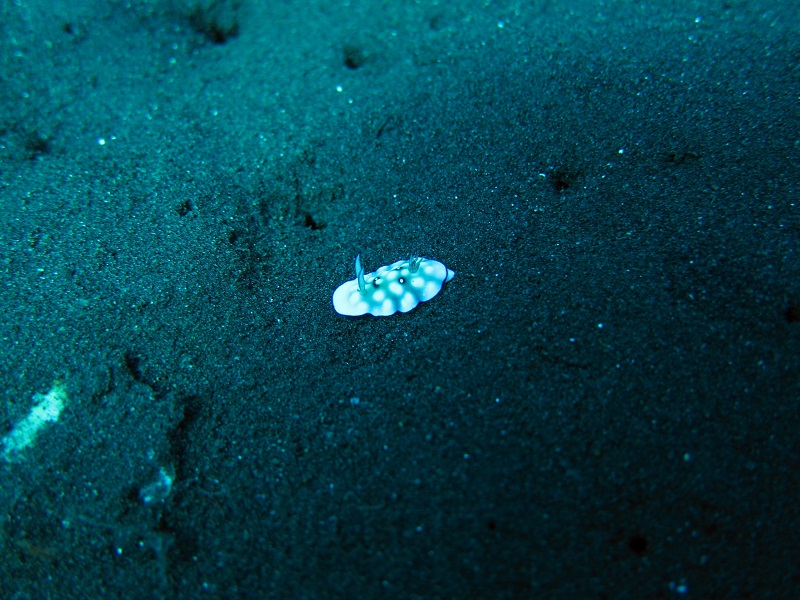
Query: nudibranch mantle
396	287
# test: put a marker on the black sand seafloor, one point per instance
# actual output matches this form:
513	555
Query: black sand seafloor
604	403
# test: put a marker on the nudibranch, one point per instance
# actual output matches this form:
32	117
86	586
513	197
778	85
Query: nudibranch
399	286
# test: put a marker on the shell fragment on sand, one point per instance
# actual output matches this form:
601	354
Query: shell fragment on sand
46	409
396	287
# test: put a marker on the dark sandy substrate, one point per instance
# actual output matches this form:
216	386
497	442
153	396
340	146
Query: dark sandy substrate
603	403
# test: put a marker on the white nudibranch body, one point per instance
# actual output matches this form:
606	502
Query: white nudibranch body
396	287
